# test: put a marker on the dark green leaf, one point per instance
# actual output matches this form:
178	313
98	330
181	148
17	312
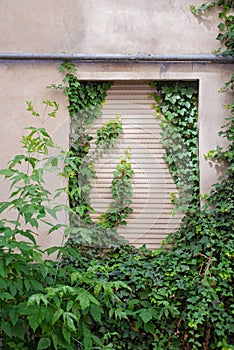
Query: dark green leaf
44	343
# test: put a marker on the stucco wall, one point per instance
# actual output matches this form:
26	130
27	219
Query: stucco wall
104	26
111	26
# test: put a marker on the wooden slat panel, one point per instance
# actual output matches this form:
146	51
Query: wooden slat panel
151	220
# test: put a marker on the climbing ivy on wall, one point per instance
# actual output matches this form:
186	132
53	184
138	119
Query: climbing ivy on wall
121	188
176	104
180	298
85	106
226	26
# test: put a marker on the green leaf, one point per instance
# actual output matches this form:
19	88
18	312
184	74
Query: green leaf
2	269
56	316
87	336
84	299
55	228
7	172
5	326
28	234
34	322
4	206
36	299
88	342
9	260
31	109
33	222
14	315
27	284
66	334
69	305
68	320
96	312
3	284
146	315
19	332
6	296
44	343
150	327
51	250
52	212
54	162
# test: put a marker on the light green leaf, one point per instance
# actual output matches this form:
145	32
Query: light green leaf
68	320
7	172
84	300
146	315
51	212
56	316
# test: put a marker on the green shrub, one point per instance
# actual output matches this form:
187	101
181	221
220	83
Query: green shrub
44	304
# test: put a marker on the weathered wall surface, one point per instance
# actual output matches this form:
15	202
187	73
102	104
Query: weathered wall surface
111	26
104	26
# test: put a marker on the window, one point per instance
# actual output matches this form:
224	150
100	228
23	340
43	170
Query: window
151	220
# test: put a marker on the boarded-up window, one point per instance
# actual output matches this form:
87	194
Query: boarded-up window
151	220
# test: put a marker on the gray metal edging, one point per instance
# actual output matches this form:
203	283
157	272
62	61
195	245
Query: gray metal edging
208	58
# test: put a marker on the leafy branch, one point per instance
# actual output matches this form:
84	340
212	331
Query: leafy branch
121	189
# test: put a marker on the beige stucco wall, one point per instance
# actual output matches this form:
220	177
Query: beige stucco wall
104	26
111	26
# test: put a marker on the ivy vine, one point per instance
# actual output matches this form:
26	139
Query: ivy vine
177	107
85	106
121	189
226	27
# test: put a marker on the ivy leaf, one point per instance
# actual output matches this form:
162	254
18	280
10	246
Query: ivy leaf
146	315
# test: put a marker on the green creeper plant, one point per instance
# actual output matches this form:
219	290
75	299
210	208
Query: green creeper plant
121	189
85	101
85	105
181	297
226	27
176	106
44	304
